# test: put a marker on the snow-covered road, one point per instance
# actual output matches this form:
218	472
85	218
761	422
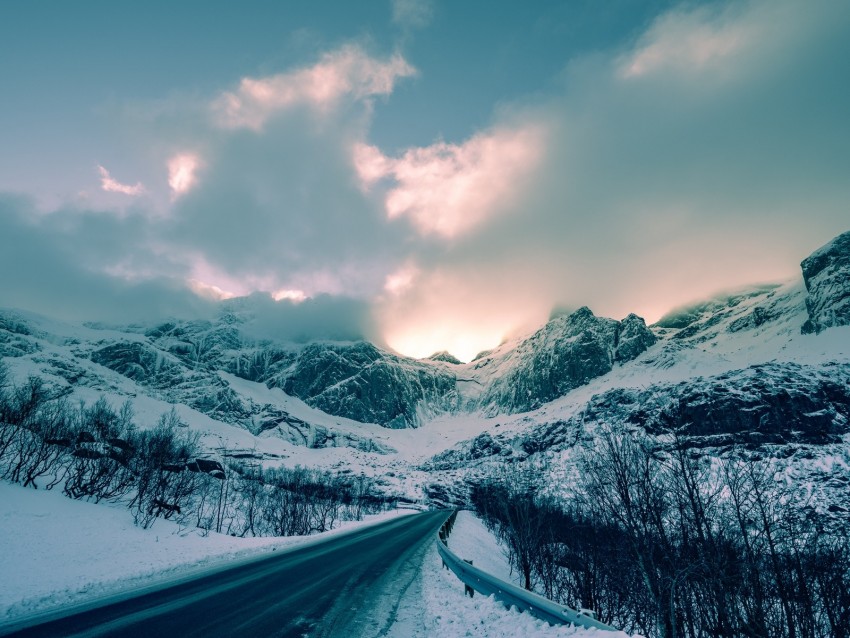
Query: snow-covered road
59	553
349	585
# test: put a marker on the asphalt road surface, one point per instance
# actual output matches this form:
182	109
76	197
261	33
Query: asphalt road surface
349	585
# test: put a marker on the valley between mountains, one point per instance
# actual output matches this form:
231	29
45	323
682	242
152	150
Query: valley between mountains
760	375
767	367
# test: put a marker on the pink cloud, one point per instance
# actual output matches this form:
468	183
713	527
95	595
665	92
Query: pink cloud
448	189
345	72
111	185
689	41
295	296
182	169
401	280
208	291
455	309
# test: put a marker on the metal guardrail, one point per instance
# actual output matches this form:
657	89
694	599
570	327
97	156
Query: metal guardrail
507	593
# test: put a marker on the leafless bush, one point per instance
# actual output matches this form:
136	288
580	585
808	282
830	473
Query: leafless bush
164	485
104	447
659	541
96	453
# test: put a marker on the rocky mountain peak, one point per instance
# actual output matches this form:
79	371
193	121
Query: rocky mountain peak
364	383
633	338
446	357
566	353
826	273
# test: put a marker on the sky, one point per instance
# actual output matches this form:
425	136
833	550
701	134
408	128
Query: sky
431	175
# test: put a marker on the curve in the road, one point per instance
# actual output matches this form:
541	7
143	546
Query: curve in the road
346	586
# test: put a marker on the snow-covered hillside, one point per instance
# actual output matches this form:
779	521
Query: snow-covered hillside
734	369
763	371
59	552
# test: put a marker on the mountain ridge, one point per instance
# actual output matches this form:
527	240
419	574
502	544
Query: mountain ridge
354	406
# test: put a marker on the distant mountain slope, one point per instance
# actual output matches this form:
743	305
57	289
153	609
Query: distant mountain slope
364	383
827	273
729	375
564	354
764	367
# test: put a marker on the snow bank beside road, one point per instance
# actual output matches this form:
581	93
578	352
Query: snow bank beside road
58	552
437	606
471	540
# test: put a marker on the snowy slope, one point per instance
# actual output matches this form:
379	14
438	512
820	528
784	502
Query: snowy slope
436	605
59	552
232	386
242	418
743	369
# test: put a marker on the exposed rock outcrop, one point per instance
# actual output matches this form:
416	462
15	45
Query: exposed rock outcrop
566	353
774	406
361	382
826	273
633	338
446	357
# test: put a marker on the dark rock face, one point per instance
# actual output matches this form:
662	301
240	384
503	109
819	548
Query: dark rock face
775	406
764	404
207	466
702	320
633	338
13	336
445	357
320	366
566	353
137	361
361	382
196	383
826	273
219	346
354	380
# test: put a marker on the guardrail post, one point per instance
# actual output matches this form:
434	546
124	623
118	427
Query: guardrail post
510	595
466	588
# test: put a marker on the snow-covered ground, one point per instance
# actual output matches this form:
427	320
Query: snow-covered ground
471	540
436	604
58	552
63	351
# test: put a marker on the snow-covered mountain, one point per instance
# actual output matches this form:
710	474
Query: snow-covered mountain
826	273
564	354
767	367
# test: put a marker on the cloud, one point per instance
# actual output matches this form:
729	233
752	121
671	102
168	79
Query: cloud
208	291
402	279
688	40
346	72
412	14
321	317
110	185
295	296
708	152
283	211
62	264
449	189
182	169
462	307
57	265
277	210
653	190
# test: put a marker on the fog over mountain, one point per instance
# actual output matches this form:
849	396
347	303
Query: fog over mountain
698	149
580	269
